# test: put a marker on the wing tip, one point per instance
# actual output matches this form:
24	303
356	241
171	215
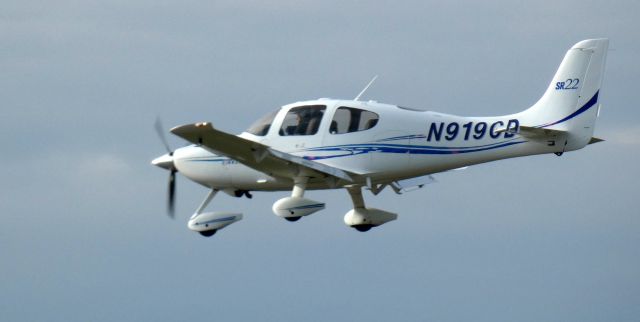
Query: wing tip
191	127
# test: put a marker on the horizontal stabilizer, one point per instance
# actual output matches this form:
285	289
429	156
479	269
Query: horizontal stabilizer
407	185
595	140
537	134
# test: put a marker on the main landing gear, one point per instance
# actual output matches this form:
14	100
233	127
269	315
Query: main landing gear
362	218
295	207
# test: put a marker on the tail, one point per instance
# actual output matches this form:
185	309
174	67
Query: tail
571	102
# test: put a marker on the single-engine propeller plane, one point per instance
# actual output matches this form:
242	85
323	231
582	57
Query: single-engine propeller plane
356	145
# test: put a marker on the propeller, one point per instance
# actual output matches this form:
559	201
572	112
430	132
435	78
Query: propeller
171	204
166	161
160	131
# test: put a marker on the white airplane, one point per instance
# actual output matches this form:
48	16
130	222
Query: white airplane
352	144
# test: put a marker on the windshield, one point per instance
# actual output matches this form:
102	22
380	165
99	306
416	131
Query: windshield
262	125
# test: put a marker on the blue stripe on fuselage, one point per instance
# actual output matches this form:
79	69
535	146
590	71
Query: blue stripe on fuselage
410	149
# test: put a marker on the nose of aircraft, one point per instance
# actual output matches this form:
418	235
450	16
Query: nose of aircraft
165	161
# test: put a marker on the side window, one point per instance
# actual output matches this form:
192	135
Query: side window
302	120
349	119
261	126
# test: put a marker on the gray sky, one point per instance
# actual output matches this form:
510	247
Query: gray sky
85	237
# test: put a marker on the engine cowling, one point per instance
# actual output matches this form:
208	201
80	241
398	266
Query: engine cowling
209	222
363	219
296	207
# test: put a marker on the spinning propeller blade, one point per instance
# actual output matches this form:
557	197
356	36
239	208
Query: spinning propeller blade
160	131
167	163
171	207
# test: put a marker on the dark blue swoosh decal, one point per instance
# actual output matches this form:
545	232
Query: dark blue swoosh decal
581	110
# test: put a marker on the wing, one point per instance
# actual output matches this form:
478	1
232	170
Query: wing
258	156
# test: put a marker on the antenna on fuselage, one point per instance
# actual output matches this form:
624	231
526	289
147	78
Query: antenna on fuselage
366	87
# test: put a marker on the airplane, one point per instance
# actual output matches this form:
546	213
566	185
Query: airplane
355	145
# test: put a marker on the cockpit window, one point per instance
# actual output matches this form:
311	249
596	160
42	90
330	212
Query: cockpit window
261	126
302	120
349	119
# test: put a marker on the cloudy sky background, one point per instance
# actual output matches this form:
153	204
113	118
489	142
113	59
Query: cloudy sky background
84	236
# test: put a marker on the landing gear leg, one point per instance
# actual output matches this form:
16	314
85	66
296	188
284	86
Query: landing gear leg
358	204
356	197
205	203
299	187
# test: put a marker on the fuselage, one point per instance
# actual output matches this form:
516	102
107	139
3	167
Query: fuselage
385	142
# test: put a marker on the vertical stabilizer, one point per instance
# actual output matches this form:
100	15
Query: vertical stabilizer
571	101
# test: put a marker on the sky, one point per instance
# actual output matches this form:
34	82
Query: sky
85	236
